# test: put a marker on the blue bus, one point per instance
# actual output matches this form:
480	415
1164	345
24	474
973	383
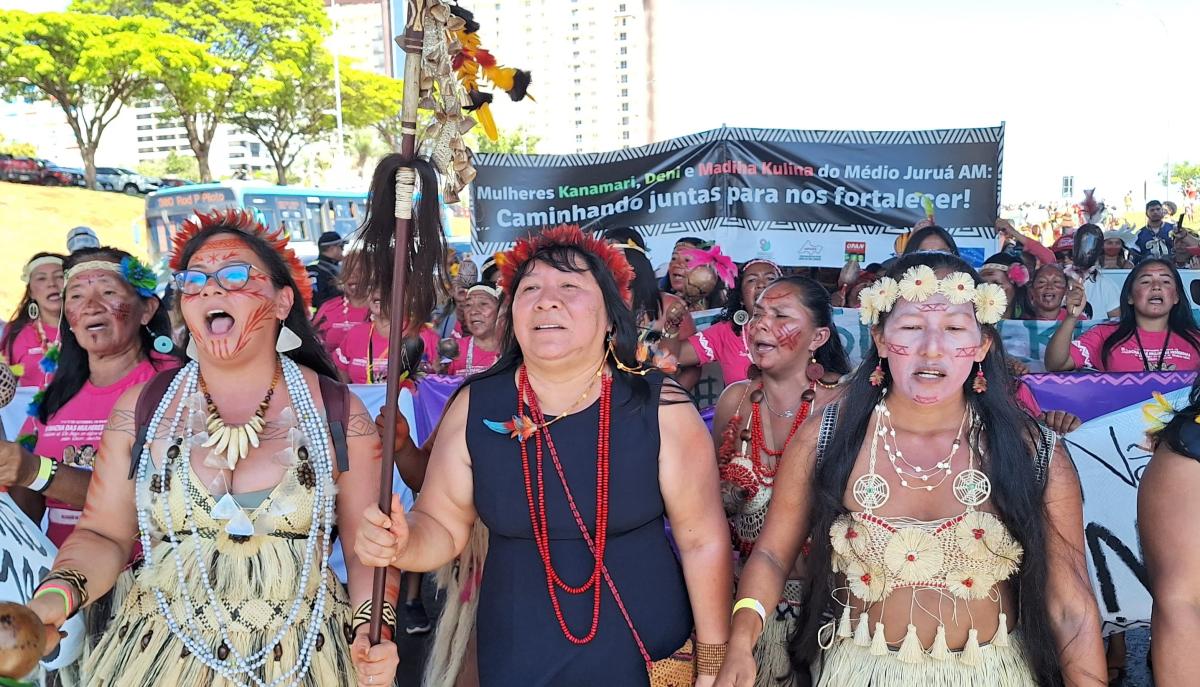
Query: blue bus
305	212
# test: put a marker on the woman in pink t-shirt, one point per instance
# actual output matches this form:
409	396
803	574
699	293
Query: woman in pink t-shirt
113	318
1156	331
723	342
481	349
337	316
362	356
1045	295
33	329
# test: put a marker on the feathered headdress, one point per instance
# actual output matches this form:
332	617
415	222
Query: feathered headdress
720	263
471	60
242	222
511	261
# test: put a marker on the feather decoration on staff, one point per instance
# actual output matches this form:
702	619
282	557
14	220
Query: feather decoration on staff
472	60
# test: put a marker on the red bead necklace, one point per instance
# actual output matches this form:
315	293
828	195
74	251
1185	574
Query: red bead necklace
758	441
537	511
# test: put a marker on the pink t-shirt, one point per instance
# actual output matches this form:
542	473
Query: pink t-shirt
471	359
363	341
335	318
719	343
28	349
73	437
1127	355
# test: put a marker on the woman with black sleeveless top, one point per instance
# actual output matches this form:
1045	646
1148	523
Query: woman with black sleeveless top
560	451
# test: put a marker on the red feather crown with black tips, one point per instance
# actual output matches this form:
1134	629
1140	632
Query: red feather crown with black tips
243	222
566	235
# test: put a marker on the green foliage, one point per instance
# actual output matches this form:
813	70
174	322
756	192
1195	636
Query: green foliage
1183	172
289	103
89	65
236	39
372	100
515	141
16	148
173	165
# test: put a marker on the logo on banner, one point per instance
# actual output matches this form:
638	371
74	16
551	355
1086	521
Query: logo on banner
856	251
810	252
764	245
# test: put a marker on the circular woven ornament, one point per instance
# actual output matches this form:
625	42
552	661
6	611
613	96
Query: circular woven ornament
871	491
972	487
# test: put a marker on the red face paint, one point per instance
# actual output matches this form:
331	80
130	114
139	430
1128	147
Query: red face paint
253	308
788	336
897	349
967	351
932	307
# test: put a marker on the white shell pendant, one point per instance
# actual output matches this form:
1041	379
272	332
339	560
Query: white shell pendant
225	509
239	525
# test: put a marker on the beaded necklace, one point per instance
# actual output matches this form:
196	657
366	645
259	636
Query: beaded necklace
597	544
227	660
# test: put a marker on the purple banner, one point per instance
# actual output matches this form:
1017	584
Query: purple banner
1090	395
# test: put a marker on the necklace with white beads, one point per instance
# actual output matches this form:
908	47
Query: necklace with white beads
237	667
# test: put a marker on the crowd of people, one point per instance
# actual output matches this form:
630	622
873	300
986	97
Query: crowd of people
197	457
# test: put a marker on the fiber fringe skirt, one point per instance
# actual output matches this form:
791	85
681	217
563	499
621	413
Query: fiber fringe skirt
846	664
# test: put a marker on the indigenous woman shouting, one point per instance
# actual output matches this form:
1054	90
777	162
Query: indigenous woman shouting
1156	331
572	456
723	342
798	360
234	495
946	525
108	346
33	330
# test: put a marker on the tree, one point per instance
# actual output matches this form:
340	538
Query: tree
365	145
1183	172
239	37
516	141
372	100
173	165
89	65
290	103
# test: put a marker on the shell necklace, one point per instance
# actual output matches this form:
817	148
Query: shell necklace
235	441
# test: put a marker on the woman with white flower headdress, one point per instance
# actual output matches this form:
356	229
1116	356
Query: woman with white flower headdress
946	525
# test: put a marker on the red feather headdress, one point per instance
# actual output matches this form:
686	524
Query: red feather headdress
241	221
511	261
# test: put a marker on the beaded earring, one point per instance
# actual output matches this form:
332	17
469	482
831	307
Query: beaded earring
878	376
980	385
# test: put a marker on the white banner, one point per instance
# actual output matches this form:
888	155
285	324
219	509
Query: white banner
26	558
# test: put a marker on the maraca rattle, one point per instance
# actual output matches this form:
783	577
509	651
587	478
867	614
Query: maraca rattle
22	643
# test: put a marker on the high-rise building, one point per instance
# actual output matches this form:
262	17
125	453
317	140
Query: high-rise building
358	27
592	70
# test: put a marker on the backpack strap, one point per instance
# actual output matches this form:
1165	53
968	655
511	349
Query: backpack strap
143	412
336	397
828	421
1045	454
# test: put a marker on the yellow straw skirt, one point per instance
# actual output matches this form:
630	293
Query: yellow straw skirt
846	664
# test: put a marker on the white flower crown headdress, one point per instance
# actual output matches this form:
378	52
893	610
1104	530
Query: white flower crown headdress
919	283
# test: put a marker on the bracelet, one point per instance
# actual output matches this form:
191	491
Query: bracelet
709	658
55	589
47	469
74	580
362	615
754	605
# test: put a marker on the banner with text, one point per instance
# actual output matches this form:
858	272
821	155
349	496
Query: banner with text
811	198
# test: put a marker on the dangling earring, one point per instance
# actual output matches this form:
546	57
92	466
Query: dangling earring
741	317
612	351
815	371
33	310
162	344
877	376
287	341
192	351
980	385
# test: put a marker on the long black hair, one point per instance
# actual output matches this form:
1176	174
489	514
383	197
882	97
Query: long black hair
1005	451
73	369
1020	291
1180	321
815	299
733	300
21	317
647	299
1182	422
923	233
624	331
311	353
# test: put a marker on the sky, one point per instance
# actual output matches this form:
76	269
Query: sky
1097	89
1102	90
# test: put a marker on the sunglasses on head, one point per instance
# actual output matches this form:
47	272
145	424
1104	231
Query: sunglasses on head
230	277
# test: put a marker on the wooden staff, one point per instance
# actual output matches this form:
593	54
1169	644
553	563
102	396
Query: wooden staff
411	42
